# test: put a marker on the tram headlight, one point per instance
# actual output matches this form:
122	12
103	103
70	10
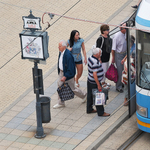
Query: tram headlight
141	110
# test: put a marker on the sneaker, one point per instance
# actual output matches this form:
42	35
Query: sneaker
58	106
84	99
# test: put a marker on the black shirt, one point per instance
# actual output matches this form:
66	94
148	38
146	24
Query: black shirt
105	56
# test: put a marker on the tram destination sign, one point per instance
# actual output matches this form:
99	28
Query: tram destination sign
31	22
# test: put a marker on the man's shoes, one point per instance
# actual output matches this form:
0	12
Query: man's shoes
122	85
119	90
84	99
105	114
58	106
134	6
93	111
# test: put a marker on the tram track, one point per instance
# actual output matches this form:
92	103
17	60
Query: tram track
134	138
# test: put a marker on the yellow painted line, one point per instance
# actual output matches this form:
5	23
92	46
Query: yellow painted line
143	123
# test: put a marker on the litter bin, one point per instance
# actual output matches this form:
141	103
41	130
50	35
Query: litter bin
45	109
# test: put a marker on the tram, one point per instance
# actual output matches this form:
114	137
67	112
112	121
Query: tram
142	22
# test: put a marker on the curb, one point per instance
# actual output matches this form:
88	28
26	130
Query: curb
109	131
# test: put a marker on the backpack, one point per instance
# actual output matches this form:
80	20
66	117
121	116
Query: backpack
108	43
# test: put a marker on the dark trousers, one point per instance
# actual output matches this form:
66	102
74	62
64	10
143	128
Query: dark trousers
100	108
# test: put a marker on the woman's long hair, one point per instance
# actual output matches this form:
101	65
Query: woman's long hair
71	40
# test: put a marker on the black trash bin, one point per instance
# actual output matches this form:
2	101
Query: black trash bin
45	109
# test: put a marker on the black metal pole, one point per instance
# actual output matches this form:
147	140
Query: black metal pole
39	131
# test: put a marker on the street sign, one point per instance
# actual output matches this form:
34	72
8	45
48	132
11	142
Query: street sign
31	22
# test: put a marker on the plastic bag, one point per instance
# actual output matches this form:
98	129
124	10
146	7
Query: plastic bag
98	97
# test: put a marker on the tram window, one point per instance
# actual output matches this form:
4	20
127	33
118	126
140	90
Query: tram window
143	59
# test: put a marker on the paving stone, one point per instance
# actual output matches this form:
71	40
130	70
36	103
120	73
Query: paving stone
5	143
34	141
57	145
22	139
17	120
17	144
3	135
23	115
12	125
28	146
68	134
57	132
28	110
23	127
68	147
45	143
40	148
85	131
79	136
11	137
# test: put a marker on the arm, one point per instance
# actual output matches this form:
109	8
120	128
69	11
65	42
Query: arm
69	67
84	53
123	60
98	44
114	47
69	48
63	79
113	56
96	80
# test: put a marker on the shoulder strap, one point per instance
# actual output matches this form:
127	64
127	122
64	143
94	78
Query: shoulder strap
102	42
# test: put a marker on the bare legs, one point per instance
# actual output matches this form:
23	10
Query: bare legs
79	72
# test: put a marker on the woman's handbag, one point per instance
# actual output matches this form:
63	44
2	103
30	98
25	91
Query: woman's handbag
65	93
112	73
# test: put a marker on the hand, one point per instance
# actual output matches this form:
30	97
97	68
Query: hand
85	61
122	61
99	60
63	79
70	49
99	88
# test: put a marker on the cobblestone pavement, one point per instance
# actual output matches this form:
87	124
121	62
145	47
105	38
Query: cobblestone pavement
70	127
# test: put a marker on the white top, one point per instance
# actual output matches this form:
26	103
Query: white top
119	42
61	60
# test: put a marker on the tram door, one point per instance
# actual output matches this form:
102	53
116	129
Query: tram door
131	61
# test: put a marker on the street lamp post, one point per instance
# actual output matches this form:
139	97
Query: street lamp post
34	46
39	131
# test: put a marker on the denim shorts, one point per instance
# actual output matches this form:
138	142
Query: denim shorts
79	62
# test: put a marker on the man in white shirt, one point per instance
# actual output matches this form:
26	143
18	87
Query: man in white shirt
66	72
119	49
